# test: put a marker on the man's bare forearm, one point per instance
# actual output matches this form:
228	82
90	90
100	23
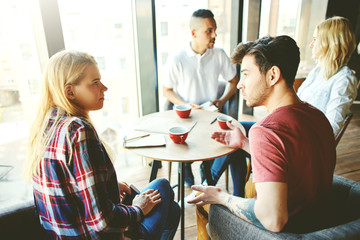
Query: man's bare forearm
243	208
172	96
230	89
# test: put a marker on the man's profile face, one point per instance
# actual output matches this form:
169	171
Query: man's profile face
252	83
206	33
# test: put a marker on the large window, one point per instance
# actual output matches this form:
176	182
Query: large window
278	17
19	88
296	18
105	30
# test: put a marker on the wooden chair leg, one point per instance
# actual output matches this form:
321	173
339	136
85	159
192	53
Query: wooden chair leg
169	171
248	163
227	178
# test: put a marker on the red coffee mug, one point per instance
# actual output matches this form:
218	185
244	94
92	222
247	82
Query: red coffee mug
183	110
178	134
222	120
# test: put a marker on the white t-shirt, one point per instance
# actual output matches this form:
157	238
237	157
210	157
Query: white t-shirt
195	77
333	97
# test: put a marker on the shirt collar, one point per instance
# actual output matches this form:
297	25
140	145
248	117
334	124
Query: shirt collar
190	52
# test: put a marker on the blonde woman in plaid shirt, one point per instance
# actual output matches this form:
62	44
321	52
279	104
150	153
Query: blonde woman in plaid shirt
76	192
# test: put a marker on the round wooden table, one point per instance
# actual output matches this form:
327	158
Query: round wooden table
199	146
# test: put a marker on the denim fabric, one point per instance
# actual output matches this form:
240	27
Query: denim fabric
247	126
237	162
189	177
164	218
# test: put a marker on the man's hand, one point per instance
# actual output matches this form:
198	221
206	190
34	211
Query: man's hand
209	195
218	103
230	89
147	200
194	105
174	98
233	139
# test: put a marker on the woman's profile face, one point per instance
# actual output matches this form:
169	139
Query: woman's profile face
314	46
89	93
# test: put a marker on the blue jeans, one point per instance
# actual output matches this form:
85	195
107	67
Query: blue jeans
163	220
237	162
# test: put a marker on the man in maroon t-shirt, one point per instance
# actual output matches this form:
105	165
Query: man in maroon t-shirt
292	149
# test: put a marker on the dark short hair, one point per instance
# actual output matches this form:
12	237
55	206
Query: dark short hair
203	13
281	51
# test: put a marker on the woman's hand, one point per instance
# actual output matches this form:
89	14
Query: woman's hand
147	200
124	189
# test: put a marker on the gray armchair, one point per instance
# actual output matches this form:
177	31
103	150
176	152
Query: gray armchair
339	219
21	222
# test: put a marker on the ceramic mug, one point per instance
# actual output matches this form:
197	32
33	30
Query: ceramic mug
183	110
178	134
222	120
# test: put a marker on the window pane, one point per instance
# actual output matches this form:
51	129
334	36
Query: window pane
297	19
105	30
164	29
176	16
19	88
279	17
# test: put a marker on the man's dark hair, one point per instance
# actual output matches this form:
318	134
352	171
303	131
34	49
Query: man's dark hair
280	51
203	13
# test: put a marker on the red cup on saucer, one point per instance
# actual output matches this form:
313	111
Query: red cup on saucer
183	110
222	120
178	134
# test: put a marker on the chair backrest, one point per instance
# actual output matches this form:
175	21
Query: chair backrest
342	130
168	105
21	222
298	82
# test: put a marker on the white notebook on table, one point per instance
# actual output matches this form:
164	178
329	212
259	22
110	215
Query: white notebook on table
152	140
206	106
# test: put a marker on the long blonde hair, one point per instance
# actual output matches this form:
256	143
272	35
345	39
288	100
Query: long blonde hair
335	43
63	68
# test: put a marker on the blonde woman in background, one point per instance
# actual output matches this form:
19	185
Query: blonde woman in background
76	192
331	86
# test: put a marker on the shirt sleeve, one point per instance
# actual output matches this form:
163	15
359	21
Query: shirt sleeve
93	171
342	95
228	70
172	73
267	156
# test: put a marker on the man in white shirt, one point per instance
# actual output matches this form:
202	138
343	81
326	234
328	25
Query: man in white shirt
193	73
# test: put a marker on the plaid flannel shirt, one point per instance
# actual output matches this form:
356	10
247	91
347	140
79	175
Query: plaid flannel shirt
79	200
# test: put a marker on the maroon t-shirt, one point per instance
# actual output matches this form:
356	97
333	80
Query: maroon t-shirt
295	145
